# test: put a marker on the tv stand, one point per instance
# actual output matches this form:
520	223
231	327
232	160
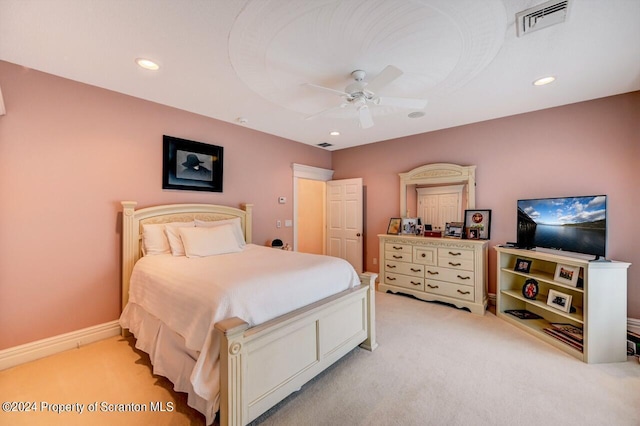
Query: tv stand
600	304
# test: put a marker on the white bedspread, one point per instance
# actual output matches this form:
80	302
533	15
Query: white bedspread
258	284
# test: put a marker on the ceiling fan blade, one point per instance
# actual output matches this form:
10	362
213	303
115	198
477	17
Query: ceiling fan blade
387	75
409	103
326	89
364	114
325	111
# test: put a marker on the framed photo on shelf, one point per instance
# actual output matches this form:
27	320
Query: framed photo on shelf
453	229
522	265
567	274
395	223
559	300
478	221
190	165
409	225
530	289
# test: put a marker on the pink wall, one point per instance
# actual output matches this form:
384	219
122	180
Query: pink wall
587	148
69	153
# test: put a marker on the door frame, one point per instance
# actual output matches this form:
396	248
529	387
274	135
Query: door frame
301	171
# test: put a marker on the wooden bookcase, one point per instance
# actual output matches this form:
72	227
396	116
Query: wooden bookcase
600	301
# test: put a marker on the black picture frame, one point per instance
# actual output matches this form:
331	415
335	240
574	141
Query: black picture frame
478	221
522	265
190	165
530	289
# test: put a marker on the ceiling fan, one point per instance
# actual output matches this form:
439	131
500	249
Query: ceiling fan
361	94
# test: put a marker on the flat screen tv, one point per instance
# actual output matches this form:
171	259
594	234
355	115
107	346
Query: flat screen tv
572	224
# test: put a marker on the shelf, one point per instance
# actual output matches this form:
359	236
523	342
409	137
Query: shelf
600	302
544	277
536	327
576	316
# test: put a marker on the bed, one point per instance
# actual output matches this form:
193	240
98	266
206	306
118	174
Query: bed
238	350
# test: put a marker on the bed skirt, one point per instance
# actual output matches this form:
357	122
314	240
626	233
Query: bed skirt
169	356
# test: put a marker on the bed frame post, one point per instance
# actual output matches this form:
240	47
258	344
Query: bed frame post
232	371
370	279
248	208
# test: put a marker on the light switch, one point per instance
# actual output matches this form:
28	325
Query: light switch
288	223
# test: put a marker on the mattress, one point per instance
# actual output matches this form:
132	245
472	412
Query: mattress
175	301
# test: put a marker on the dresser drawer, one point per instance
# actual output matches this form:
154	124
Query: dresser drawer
398	256
460	254
414	283
398	248
425	255
450	275
404	268
450	262
448	289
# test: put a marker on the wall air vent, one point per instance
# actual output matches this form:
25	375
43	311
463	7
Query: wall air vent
325	144
541	16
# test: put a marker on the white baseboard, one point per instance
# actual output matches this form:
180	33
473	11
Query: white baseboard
41	348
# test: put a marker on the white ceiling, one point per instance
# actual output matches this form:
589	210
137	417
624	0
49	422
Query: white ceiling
250	58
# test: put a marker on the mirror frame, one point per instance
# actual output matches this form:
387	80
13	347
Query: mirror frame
439	174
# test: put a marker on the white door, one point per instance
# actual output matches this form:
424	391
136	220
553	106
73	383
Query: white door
344	220
439	205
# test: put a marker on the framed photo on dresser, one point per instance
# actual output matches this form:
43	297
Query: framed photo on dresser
477	224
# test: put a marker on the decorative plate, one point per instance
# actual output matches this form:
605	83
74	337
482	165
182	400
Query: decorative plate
530	289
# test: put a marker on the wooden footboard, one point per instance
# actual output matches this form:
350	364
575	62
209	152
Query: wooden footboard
261	366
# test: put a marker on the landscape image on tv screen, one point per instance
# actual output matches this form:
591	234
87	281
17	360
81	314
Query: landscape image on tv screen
574	224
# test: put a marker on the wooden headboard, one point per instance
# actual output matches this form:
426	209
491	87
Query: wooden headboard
132	221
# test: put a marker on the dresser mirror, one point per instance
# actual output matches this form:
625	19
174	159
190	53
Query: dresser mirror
446	191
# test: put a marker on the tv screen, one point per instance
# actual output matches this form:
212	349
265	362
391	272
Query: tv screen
573	224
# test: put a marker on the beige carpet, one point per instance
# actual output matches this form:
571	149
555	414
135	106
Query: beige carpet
435	365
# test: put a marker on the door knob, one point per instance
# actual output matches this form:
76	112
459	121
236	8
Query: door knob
358	234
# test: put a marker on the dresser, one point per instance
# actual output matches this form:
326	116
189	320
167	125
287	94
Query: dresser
452	271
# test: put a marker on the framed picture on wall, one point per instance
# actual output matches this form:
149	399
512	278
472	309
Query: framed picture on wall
190	165
477	224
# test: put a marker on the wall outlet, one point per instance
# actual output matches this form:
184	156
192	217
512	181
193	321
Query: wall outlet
288	223
375	261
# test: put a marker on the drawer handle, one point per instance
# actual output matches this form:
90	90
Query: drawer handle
416	270
415	283
397	257
423	255
391	266
391	279
434	286
455	264
464	292
454	254
397	248
433	273
464	278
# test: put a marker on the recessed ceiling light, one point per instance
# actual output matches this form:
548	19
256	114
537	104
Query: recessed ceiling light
544	80
416	114
147	64
335	133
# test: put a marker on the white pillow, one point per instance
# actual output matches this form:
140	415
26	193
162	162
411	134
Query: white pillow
175	242
209	241
235	223
154	240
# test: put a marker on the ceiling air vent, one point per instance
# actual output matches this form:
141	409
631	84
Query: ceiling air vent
541	16
325	144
